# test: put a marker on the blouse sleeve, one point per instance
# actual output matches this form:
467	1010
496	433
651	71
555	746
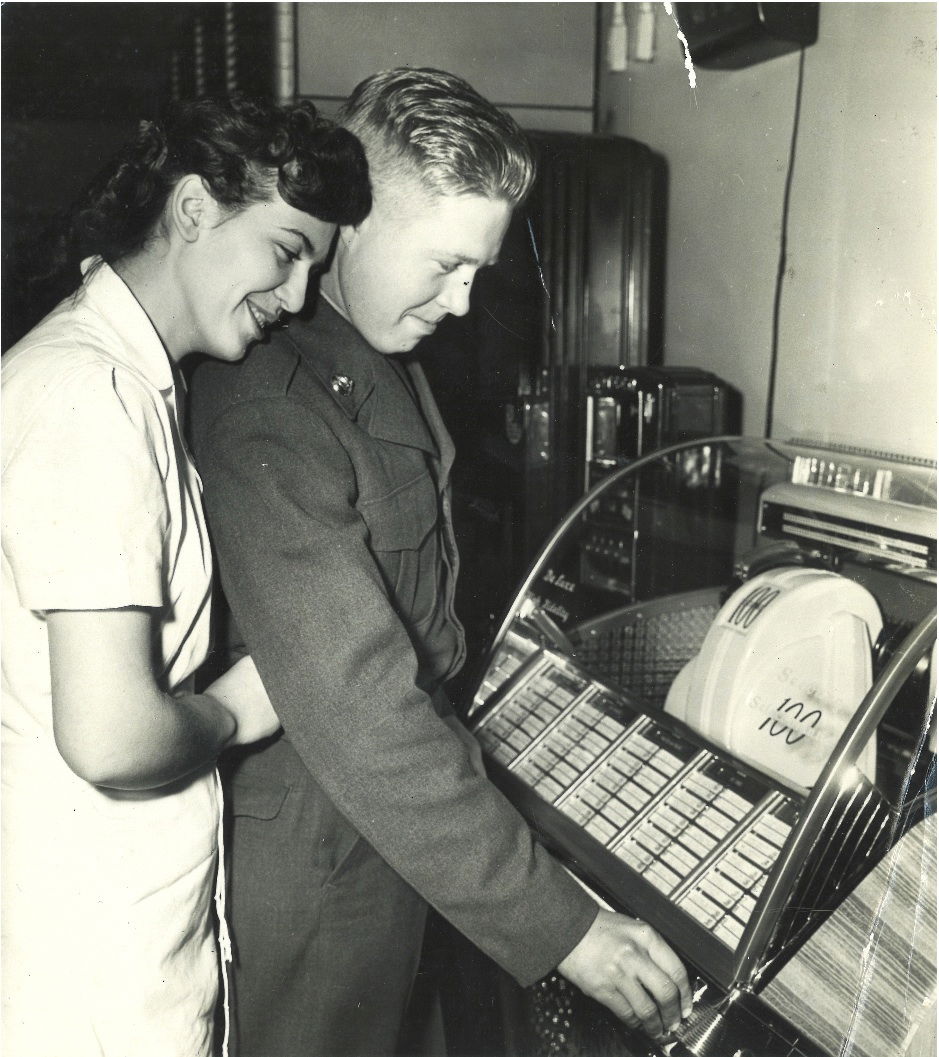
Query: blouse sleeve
84	508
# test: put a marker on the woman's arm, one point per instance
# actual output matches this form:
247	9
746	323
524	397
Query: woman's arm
115	727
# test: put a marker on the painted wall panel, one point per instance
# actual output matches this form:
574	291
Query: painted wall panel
858	308
534	56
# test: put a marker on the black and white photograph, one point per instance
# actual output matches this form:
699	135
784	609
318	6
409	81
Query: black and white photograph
469	516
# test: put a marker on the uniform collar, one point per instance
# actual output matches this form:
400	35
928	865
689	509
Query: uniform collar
351	371
140	348
336	353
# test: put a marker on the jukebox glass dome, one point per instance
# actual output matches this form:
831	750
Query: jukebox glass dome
712	696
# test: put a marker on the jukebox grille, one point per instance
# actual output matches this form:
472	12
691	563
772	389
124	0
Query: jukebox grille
642	649
853	837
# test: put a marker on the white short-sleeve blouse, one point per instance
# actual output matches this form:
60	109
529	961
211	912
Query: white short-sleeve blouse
108	944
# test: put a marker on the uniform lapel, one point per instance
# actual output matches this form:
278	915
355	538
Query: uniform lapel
395	416
435	423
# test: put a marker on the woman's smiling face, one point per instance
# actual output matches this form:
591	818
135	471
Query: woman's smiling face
247	269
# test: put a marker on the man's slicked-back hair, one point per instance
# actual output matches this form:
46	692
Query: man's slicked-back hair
432	126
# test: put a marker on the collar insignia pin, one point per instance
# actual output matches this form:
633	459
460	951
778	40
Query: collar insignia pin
341	384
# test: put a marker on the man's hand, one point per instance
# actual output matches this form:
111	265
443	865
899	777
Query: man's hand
627	966
241	692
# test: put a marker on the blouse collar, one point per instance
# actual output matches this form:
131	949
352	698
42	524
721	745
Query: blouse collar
142	348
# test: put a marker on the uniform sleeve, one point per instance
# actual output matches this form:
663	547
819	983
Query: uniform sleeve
84	512
340	669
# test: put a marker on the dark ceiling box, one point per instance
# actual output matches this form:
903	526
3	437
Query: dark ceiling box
730	36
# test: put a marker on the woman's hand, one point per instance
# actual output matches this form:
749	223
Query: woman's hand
241	692
114	725
627	966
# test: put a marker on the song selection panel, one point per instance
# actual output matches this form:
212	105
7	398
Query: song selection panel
723	896
702	832
522	718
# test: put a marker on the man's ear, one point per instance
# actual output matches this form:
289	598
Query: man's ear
191	208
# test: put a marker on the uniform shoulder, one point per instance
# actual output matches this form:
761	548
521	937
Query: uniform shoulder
266	371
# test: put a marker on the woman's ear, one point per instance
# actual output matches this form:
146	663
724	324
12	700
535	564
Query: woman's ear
191	208
347	233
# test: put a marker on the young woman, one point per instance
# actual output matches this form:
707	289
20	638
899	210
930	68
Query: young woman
198	237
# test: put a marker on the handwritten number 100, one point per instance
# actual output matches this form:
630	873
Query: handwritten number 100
787	706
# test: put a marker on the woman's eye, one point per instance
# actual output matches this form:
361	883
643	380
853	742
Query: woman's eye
447	268
287	256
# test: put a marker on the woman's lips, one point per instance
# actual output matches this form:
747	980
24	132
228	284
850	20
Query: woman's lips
261	318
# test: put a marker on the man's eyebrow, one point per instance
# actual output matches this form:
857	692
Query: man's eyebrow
470	260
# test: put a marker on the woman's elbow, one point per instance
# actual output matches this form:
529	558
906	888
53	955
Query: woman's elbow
92	759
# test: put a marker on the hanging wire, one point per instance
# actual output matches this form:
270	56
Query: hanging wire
783	246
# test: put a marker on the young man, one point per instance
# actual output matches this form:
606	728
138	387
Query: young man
325	465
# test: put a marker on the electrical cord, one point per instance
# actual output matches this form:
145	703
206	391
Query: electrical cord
783	247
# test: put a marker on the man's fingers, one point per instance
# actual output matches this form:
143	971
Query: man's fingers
669	962
616	1001
654	996
626	965
643	1006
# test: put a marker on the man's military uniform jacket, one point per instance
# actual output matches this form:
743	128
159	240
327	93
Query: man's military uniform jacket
325	467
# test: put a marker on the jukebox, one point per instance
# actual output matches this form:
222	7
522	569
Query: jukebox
736	741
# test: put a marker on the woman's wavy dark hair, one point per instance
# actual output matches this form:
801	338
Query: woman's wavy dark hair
244	149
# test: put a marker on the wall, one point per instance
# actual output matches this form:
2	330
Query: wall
76	79
858	308
536	60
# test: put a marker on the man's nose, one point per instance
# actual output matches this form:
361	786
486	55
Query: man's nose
455	296
292	292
